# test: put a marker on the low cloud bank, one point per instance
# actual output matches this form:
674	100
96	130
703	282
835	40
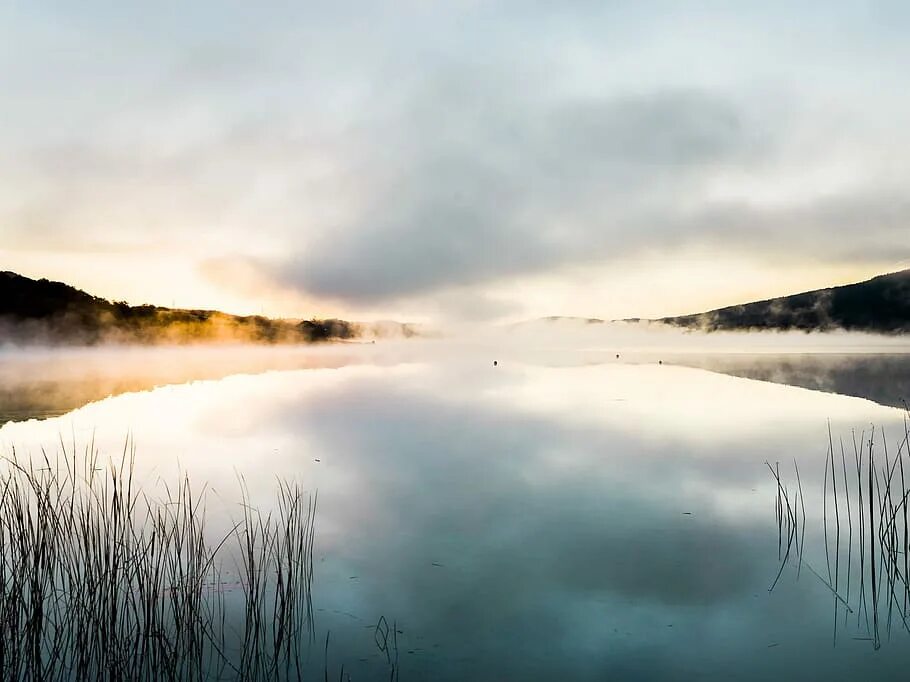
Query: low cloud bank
599	335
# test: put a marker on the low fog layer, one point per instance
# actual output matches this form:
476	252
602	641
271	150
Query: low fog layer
42	312
592	334
45	382
881	304
41	383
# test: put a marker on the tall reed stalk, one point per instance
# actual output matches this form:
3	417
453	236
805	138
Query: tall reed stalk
100	581
874	585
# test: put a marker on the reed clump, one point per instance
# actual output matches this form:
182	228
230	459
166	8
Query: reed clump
101	581
865	529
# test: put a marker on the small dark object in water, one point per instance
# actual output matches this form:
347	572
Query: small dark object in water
660	362
495	363
617	356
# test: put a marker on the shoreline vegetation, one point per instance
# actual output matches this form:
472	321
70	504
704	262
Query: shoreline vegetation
41	312
866	530
101	581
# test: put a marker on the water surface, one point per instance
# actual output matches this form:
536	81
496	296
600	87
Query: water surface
578	516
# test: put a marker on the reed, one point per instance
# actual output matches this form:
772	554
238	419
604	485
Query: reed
868	571
101	581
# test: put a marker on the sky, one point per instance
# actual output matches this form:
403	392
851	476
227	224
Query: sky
454	162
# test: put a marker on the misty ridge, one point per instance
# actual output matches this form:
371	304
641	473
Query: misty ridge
42	312
879	305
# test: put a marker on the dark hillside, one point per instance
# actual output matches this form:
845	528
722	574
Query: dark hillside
45	312
881	304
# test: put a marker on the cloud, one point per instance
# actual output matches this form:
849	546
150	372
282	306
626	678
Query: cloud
534	520
859	226
486	185
408	155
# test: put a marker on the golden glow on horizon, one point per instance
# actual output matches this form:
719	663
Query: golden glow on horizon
164	280
647	287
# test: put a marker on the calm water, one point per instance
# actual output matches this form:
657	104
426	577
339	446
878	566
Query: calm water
571	516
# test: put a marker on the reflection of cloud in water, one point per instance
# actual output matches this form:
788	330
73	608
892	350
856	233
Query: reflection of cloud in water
554	500
660	401
46	383
529	541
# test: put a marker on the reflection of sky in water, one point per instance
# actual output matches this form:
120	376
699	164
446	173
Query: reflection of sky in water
526	522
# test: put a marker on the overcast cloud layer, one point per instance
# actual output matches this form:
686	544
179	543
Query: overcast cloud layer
374	155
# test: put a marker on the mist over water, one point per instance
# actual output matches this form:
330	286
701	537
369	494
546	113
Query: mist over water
565	513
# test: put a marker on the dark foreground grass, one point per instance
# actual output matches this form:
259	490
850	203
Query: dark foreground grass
99	581
866	530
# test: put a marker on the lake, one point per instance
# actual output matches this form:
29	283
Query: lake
565	514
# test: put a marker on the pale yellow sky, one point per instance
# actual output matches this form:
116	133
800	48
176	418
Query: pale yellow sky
648	287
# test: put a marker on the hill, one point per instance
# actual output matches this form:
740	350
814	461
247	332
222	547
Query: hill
881	305
44	312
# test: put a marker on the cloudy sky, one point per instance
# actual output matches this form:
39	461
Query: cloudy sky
451	161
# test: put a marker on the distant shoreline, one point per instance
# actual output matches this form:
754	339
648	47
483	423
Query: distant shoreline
45	313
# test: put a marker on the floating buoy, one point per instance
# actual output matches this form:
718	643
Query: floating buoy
495	363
